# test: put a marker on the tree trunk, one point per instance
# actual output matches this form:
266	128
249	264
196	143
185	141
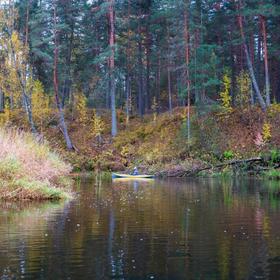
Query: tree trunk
158	84
128	69
148	71
2	102
127	97
70	22
112	67
68	81
140	80
249	64
187	57
170	107
21	75
265	54
168	73
55	85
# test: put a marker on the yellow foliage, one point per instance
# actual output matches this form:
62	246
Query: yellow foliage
244	88
154	108
81	108
97	125
266	132
225	94
274	109
127	150
40	103
14	70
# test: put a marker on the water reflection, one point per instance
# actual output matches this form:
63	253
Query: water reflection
174	229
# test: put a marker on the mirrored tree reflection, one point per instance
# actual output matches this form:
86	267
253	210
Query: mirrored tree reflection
200	229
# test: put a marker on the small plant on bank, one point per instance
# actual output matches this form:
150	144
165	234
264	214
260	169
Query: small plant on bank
97	126
228	155
155	109
225	94
275	156
266	132
40	104
81	108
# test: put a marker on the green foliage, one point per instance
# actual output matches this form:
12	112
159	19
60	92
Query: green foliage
275	156
228	155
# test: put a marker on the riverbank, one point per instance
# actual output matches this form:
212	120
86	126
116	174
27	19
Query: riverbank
241	142
220	142
30	170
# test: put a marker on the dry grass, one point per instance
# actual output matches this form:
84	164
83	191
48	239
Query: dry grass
29	170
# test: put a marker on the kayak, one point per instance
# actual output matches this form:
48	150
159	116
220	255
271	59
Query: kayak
128	176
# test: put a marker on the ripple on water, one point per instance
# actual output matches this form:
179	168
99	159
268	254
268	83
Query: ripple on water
174	229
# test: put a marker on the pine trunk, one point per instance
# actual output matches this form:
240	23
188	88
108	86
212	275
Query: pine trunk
112	68
158	84
2	103
148	70
127	97
170	107
188	84
140	80
265	54
55	85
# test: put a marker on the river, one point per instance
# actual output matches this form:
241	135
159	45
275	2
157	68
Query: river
162	229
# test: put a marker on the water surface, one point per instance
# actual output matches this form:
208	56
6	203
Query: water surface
174	229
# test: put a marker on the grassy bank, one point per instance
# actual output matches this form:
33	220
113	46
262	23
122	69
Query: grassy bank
29	170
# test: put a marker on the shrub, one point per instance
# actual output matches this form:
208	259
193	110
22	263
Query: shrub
225	94
266	133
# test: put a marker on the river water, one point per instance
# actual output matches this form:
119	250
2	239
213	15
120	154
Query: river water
173	229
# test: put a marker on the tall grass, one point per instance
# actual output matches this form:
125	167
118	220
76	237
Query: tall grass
30	170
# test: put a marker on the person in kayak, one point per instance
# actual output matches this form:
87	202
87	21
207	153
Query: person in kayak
135	171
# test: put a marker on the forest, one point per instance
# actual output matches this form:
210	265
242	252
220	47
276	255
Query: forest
139	139
164	84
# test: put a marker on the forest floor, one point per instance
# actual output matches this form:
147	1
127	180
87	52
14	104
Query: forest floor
242	140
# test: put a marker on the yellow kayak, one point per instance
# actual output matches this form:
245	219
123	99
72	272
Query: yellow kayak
128	176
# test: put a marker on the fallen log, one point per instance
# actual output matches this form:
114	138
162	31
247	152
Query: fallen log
192	172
